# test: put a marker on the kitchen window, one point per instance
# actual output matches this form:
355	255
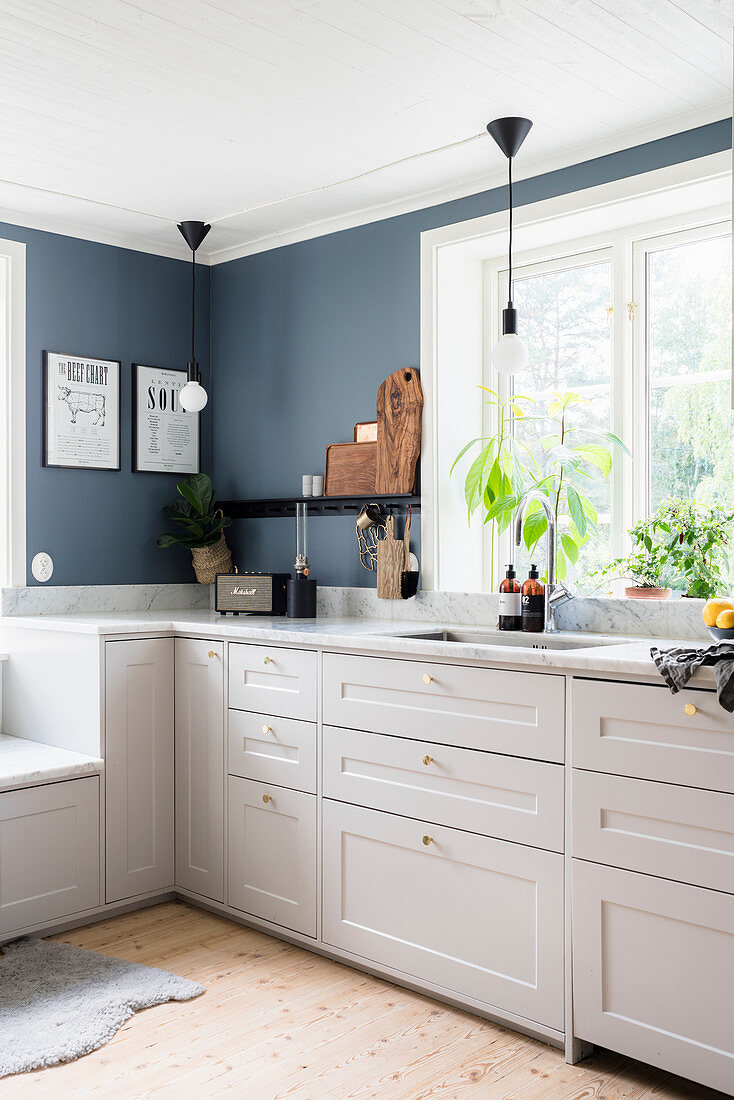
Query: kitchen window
674	359
623	294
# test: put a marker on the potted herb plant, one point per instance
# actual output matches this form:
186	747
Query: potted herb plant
645	565
202	528
695	540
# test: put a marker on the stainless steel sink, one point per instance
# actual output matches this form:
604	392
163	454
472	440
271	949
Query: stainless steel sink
515	640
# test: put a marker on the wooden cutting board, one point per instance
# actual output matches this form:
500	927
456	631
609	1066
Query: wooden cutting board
399	415
390	562
350	469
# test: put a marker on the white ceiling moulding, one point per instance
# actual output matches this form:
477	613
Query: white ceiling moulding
321	211
477	183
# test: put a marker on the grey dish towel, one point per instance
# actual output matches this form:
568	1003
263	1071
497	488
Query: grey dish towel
676	666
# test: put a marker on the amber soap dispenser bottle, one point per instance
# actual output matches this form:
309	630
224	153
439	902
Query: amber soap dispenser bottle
533	603
510	602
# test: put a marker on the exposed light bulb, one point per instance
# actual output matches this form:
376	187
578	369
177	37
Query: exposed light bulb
509	354
193	397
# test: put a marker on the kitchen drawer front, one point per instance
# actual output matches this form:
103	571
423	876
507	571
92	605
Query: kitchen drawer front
653	971
273	750
644	731
674	832
500	796
518	713
272	854
273	680
479	917
49	852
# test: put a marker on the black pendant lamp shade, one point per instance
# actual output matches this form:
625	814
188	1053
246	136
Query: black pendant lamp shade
192	395
509	134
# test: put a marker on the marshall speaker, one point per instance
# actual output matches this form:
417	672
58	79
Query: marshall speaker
251	593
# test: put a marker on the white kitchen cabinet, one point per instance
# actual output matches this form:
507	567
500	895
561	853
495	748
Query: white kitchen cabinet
49	852
273	680
273	750
479	917
644	731
482	792
517	713
653	971
199	766
139	766
661	829
272	854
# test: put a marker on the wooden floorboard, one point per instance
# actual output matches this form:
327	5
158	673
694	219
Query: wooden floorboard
280	1023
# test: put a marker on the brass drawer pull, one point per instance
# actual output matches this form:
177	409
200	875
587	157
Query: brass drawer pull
427	840
427	679
212	653
427	760
268	661
267	798
690	709
267	728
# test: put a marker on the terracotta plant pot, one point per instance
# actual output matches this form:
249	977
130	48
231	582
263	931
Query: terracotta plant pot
635	593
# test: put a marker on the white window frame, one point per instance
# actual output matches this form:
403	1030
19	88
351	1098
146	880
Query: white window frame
457	264
13	397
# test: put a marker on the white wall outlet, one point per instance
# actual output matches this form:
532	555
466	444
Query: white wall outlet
42	566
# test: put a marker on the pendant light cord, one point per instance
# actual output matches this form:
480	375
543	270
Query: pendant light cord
193	302
509	284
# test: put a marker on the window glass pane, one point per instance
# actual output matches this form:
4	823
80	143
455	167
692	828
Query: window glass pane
689	371
564	319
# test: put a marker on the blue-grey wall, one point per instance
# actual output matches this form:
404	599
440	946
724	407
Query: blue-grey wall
97	300
303	335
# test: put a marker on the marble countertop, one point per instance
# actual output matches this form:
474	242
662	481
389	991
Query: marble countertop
626	656
24	762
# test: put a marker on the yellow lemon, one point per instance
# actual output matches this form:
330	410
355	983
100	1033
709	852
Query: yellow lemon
725	620
714	608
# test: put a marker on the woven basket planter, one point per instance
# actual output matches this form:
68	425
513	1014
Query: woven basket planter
210	560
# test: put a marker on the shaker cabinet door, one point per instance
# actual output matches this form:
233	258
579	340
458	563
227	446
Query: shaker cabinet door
199	767
139	766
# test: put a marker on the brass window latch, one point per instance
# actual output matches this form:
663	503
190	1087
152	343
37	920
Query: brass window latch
632	310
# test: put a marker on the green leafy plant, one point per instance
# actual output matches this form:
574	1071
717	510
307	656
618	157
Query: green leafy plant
695	540
506	470
498	477
196	513
646	564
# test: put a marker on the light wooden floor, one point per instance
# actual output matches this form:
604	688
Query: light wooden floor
277	1021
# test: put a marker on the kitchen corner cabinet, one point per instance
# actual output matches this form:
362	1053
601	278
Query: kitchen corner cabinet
49	852
139	766
199	766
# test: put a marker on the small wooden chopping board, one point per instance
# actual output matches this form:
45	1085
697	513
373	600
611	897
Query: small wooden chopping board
399	416
350	469
390	562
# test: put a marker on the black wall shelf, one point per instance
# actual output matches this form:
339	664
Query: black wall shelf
280	507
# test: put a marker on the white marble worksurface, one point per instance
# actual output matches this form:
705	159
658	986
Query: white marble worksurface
625	656
23	763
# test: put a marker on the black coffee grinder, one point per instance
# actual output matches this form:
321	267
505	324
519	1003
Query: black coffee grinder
301	590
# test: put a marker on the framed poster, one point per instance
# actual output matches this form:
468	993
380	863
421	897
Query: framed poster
81	415
165	437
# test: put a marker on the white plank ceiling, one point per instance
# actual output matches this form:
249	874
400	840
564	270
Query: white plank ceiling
279	119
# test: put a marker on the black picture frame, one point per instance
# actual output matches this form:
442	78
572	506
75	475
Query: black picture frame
46	357
136	469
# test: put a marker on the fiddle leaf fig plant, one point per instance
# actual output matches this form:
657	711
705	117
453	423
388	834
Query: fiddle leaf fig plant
197	514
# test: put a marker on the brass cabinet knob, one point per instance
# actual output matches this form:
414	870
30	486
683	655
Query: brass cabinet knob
213	653
427	760
267	728
268	661
427	840
427	679
267	798
690	709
